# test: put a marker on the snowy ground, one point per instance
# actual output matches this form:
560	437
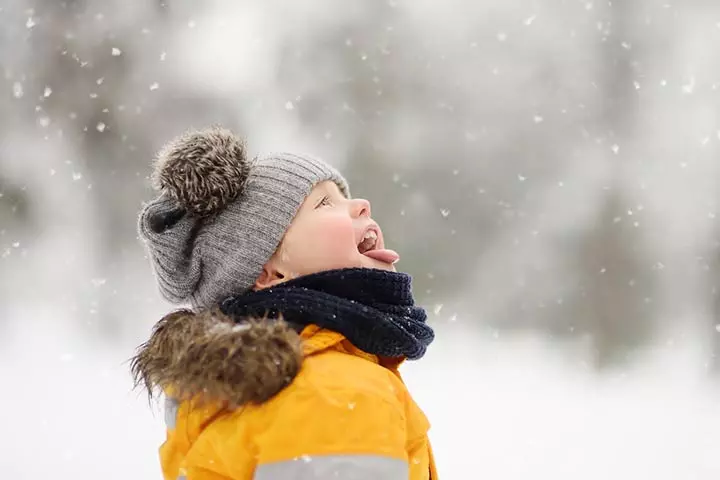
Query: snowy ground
500	408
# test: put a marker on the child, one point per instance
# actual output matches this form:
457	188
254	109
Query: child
286	368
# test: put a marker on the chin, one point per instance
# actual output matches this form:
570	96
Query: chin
388	267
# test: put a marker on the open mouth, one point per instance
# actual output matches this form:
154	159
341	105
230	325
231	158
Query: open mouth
369	242
371	245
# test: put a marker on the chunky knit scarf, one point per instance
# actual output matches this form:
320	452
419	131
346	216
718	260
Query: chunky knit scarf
373	309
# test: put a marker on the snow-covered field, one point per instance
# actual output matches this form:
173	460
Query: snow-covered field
500	408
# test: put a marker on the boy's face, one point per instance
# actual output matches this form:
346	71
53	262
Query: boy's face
329	232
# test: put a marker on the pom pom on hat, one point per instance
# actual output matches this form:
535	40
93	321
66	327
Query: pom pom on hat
203	170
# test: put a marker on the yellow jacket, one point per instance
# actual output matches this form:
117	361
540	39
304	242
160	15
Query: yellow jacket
338	413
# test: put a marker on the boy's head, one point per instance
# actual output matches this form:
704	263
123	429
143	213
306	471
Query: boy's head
223	224
329	231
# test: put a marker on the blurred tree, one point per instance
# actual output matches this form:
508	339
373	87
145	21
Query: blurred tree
711	268
17	227
612	298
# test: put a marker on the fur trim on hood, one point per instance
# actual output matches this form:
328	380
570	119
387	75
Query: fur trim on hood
208	356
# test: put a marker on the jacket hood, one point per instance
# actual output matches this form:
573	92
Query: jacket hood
211	358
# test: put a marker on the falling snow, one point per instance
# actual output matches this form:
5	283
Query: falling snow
510	115
18	91
689	87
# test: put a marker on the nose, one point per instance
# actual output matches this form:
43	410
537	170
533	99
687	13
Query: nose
359	207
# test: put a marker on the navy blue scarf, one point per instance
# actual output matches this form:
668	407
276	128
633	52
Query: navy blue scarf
373	309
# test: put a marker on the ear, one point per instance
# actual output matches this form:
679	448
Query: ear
270	276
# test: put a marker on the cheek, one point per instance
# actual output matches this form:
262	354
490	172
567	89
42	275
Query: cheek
333	236
336	232
323	244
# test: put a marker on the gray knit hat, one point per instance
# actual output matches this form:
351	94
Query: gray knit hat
219	217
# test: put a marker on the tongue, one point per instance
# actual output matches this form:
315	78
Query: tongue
383	255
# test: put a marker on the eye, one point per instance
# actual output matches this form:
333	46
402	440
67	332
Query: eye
324	202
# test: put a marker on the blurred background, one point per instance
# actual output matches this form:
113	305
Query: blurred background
549	172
